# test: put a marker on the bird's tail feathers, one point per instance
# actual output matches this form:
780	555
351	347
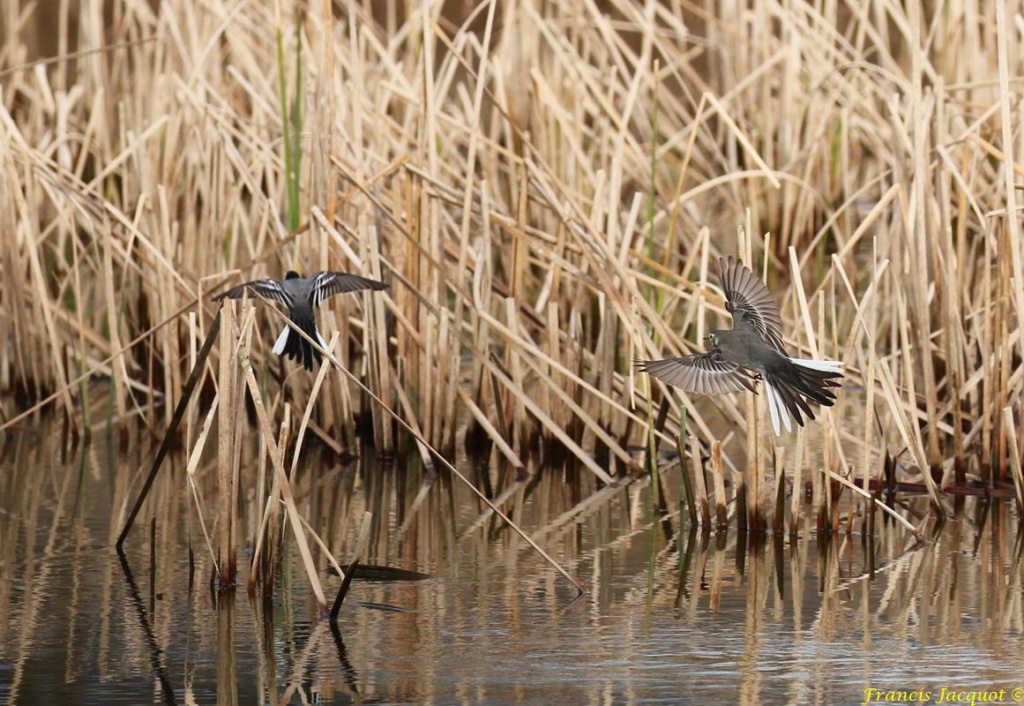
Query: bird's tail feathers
777	409
291	344
791	388
822	366
282	341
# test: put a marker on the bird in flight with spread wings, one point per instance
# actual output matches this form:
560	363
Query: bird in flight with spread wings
301	295
752	351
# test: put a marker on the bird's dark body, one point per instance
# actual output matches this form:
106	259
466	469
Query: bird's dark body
302	296
739	346
296	347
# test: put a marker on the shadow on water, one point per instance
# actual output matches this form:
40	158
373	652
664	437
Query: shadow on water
671	616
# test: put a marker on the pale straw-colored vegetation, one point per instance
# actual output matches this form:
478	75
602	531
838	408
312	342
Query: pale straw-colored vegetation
544	186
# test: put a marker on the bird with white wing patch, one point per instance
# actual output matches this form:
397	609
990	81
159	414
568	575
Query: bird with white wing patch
752	351
302	295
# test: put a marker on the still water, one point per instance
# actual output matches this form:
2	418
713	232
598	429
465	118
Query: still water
667	617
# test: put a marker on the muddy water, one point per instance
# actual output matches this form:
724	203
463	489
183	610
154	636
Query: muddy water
667	618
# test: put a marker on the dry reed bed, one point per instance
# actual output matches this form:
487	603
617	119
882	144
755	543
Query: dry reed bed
543	185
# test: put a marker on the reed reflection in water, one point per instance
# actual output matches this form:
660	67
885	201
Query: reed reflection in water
669	616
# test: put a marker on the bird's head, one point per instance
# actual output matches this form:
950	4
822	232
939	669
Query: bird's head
292	274
712	339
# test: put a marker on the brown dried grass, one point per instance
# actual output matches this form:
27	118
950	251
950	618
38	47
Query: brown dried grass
544	186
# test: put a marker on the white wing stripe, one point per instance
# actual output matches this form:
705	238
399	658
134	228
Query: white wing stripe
319	283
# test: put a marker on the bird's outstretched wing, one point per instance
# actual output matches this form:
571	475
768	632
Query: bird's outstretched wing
750	302
327	284
269	288
705	373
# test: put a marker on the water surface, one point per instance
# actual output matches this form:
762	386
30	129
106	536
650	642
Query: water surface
668	617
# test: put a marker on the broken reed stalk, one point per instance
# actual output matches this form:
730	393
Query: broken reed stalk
868	314
831	451
920	234
264	556
651	454
1015	462
314	394
229	393
700	484
407	406
798	485
718	474
1009	168
687	487
824	498
195	456
779	515
834	493
1009	291
276	454
820	493
520	421
169	435
377	351
752	481
357	555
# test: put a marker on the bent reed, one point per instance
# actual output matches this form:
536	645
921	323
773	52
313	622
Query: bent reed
542	186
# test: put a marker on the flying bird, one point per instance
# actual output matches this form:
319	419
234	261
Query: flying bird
750	352
301	295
